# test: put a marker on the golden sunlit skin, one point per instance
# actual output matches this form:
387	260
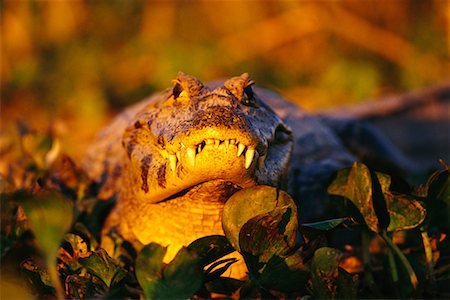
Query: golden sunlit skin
183	153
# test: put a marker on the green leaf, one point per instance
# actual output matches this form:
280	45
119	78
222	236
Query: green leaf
324	272
355	183
149	268
79	249
325	225
287	274
271	260
77	243
249	203
328	280
264	235
180	279
50	217
100	264
405	212
210	248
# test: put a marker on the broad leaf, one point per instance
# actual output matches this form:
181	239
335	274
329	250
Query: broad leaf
50	217
210	248
100	264
405	212
356	184
149	267
180	279
287	274
271	258
328	280
265	235
249	203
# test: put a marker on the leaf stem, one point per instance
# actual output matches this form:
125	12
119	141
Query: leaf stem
368	278
403	259
393	266
56	282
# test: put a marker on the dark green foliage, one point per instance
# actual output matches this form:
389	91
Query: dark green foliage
283	258
210	248
100	264
359	186
180	279
328	280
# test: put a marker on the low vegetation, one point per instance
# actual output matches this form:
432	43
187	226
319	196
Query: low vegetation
387	244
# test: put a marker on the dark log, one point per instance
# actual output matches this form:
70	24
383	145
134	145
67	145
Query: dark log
427	102
417	122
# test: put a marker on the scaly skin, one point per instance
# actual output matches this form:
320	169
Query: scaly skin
174	159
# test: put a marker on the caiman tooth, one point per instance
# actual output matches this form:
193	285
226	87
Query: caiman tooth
249	157
227	143
178	155
209	141
216	143
241	148
261	160
173	162
232	141
164	154
190	152
199	148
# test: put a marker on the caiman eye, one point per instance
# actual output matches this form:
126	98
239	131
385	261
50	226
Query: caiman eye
177	90
248	98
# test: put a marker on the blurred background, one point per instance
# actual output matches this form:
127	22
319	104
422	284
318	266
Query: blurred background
73	64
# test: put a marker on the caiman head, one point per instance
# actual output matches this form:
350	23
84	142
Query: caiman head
198	134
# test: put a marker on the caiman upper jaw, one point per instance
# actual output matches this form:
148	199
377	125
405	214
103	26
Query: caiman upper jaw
192	151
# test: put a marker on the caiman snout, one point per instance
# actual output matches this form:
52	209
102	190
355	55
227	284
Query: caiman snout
200	134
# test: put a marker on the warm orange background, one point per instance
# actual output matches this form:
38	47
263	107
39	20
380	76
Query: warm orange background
73	63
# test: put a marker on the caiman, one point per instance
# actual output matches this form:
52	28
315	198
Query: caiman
175	158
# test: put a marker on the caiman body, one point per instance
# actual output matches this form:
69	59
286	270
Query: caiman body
174	159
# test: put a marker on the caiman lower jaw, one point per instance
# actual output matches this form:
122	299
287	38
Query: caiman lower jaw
186	217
